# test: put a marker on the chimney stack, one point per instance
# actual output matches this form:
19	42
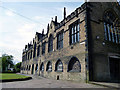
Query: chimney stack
55	19
43	31
64	12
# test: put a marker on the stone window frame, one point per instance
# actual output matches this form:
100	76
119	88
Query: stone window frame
49	66
74	32
50	43
59	66
60	37
71	64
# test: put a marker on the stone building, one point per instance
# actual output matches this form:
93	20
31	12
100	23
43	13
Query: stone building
84	46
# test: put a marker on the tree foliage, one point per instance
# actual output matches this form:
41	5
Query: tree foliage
17	67
6	60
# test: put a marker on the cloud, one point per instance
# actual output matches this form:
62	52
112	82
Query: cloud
37	17
27	31
43	0
9	13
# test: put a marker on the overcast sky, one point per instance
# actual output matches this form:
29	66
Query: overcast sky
20	20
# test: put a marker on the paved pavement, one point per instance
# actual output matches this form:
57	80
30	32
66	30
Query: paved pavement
108	84
40	82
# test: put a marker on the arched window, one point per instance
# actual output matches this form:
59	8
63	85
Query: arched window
42	67
50	44
74	65
49	66
34	54
111	29
59	66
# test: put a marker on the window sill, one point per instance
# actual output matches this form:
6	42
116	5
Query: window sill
58	71
48	71
74	43
60	49
73	71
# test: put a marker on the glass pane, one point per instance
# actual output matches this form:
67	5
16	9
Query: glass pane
72	38
115	33
105	31
109	32
112	33
75	29
72	30
78	36
118	34
78	27
75	37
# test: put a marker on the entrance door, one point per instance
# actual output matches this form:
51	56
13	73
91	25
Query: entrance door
115	69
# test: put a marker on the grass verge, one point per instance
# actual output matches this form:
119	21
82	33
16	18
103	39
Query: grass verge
5	77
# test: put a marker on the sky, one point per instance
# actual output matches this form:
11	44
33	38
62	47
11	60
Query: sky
19	21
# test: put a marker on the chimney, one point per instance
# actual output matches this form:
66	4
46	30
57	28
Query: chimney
43	31
55	19
64	12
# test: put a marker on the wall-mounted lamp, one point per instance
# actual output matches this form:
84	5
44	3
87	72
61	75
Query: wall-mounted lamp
97	37
103	43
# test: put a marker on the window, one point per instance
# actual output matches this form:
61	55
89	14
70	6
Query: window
49	66
43	48
29	67
112	32
60	40
32	69
34	54
59	66
31	55
38	50
50	44
42	67
36	69
26	56
74	65
74	32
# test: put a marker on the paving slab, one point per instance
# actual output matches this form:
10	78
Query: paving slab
40	82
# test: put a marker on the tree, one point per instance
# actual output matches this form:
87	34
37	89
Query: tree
17	67
6	60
